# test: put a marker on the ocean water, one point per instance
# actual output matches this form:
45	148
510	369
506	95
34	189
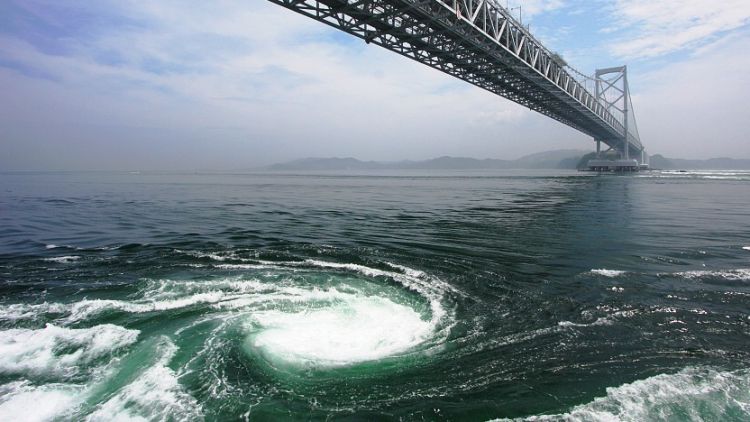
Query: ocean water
386	296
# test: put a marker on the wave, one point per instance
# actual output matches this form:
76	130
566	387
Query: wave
24	311
155	394
22	400
293	320
608	273
358	330
693	393
599	322
78	248
741	274
59	351
222	256
357	326
63	259
299	313
701	174
85	309
708	172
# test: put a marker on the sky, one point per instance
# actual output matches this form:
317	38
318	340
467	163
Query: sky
189	85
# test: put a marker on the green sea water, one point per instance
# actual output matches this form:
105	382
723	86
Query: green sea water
467	296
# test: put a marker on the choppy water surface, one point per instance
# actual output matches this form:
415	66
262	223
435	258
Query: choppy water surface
457	296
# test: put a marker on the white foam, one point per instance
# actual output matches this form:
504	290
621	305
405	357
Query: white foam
158	290
747	248
608	273
724	177
411	278
353	328
87	308
22	311
431	288
295	295
292	321
329	322
25	351
164	295
359	330
707	172
696	393
21	401
53	246
524	336
244	266
212	256
408	271
741	274
154	395
63	259
598	322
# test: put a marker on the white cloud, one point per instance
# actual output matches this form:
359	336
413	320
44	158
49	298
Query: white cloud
536	7
660	27
287	82
697	108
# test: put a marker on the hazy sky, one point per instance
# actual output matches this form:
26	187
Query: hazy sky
234	84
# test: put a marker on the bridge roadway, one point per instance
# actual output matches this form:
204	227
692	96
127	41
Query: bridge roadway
478	41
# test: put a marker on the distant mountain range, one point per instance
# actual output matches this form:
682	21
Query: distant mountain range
542	160
558	159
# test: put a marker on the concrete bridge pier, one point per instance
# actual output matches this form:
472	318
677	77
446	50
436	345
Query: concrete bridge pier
622	165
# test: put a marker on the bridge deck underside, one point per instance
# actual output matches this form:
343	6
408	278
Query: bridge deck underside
429	32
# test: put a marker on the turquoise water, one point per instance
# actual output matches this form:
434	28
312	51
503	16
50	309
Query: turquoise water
386	296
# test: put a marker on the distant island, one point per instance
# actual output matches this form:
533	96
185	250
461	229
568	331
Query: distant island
557	159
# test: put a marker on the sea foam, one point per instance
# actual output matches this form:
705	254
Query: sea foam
334	327
37	352
23	311
608	273
357	330
155	394
63	259
294	320
694	393
741	274
22	401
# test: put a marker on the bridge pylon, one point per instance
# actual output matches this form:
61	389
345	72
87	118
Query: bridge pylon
612	91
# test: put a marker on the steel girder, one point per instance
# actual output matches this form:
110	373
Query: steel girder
479	42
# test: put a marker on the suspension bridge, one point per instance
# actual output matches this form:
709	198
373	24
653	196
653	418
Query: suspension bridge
480	42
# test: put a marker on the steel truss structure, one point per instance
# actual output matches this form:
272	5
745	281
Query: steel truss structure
613	92
479	41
